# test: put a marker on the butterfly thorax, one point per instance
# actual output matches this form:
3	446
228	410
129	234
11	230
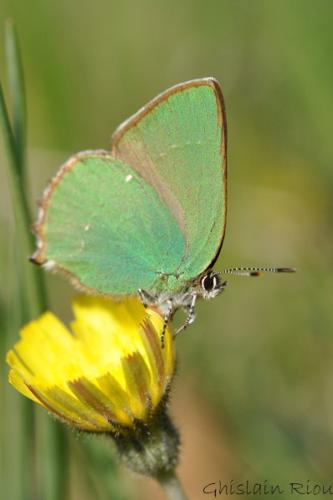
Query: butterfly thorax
168	302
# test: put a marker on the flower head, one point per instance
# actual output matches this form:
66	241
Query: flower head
105	374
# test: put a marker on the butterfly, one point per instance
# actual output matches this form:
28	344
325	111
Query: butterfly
147	217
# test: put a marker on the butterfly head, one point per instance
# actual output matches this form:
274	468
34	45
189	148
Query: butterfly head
211	285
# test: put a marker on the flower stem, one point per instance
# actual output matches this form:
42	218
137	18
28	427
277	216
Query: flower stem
172	486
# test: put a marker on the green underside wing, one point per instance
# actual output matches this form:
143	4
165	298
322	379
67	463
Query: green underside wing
177	147
114	240
150	214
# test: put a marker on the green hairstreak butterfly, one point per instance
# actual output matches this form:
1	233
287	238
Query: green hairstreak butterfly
149	215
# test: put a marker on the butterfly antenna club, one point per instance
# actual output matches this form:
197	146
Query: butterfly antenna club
256	271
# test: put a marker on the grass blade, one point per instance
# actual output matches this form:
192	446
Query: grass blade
52	449
17	93
31	281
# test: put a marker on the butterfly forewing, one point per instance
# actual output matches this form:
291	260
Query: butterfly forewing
178	143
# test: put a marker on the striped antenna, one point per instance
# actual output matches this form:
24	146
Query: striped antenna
256	271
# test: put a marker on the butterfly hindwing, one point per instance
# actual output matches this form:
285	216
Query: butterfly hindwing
102	223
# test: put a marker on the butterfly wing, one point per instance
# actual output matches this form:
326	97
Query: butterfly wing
177	143
105	226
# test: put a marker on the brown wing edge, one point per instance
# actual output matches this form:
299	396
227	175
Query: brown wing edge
223	123
134	119
38	256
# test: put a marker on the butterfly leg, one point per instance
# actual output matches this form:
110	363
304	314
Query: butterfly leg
167	316
190	308
147	300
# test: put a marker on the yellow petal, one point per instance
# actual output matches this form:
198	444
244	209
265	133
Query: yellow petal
105	374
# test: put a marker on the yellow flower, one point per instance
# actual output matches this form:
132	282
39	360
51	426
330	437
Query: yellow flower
106	374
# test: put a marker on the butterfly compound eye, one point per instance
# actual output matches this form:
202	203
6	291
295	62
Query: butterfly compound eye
209	282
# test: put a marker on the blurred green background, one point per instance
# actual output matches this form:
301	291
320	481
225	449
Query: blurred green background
253	395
